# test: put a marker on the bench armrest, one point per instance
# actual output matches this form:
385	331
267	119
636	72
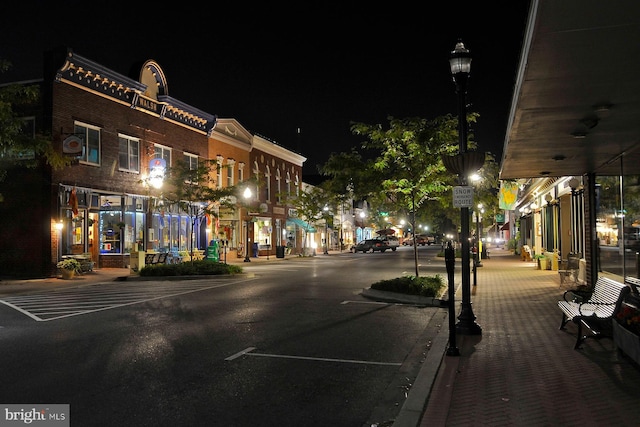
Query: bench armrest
573	295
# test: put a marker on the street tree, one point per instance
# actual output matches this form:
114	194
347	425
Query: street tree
409	160
21	143
193	190
310	204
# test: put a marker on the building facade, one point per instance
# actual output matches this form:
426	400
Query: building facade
122	134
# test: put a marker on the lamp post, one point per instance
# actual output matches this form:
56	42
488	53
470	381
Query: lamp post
326	230
155	179
480	247
247	197
460	63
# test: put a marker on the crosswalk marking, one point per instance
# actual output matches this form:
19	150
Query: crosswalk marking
58	304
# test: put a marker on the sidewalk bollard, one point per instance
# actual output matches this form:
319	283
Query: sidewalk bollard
450	261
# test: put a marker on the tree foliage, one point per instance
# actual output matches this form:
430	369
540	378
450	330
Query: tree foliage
18	145
310	204
404	170
194	191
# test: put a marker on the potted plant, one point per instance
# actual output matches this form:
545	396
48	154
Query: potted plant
541	261
69	267
626	331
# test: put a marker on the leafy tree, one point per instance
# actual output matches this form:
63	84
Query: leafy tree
310	205
487	188
18	146
351	176
194	191
409	160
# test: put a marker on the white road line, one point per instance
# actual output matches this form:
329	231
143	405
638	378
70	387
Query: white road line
249	352
366	302
20	310
240	353
53	307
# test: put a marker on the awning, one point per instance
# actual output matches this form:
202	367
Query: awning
302	224
386	232
505	226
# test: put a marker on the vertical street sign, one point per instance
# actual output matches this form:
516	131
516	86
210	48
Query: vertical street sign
463	196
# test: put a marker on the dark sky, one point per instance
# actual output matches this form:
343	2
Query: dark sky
315	67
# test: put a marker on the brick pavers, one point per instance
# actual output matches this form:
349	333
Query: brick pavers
523	370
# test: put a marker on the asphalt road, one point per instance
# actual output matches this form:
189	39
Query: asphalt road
291	343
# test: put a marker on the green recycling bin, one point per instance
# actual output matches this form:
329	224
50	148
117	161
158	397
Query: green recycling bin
213	253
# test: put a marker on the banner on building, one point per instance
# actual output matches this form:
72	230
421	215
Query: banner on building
508	195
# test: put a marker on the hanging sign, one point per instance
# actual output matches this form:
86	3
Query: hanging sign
157	168
72	145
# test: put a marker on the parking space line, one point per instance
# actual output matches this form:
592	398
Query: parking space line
249	352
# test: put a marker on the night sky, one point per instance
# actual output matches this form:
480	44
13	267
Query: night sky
310	67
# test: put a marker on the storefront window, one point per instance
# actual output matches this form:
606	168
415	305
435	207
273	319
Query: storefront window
263	231
110	224
618	224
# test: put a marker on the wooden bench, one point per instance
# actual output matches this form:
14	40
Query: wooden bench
597	312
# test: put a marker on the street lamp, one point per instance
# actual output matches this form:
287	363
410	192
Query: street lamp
460	62
155	180
247	197
479	246
326	230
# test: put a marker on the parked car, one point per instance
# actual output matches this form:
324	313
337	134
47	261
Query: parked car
370	245
391	241
424	239
421	240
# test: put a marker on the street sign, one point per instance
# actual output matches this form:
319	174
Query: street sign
462	196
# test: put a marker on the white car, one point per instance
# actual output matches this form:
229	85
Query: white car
392	241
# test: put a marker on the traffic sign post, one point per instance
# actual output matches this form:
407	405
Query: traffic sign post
463	196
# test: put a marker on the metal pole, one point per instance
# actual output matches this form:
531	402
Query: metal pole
450	261
246	252
466	321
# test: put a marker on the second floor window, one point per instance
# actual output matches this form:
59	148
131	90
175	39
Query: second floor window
230	165
161	152
129	154
192	161
90	136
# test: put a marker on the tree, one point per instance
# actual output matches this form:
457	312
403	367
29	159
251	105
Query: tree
194	191
409	160
310	205
19	146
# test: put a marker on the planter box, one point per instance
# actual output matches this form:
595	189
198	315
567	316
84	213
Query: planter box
626	341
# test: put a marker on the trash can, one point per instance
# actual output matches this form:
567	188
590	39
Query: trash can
279	251
213	253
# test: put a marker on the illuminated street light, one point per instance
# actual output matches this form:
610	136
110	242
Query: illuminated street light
326	230
460	62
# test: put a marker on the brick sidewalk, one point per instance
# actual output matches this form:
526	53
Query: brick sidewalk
523	370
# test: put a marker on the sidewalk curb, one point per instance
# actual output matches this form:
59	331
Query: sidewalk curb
386	296
413	408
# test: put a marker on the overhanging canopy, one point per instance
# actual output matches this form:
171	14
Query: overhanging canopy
386	232
302	224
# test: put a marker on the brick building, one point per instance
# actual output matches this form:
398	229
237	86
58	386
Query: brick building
122	131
